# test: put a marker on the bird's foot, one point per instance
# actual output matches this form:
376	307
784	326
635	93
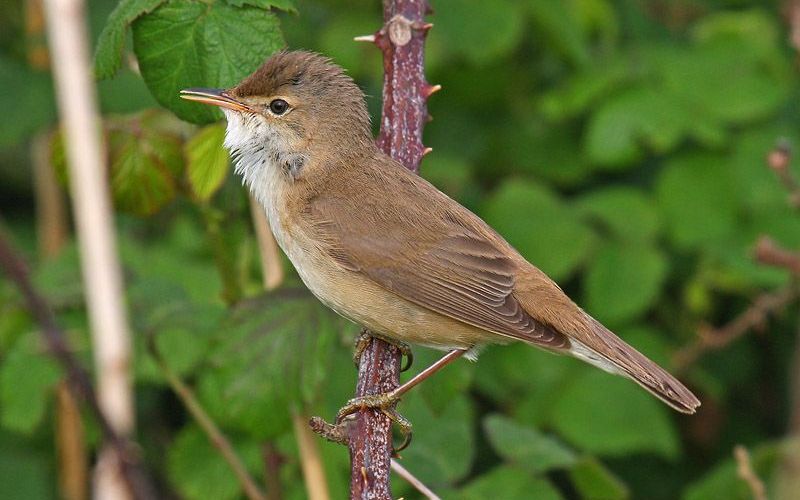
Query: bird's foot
385	402
365	337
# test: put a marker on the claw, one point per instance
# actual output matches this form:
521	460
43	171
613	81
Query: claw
365	337
384	402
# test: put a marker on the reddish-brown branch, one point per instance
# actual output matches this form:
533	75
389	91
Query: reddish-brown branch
405	92
769	252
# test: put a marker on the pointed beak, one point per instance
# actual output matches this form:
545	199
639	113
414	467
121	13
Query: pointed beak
216	97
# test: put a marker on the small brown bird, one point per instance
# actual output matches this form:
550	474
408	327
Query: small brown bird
383	247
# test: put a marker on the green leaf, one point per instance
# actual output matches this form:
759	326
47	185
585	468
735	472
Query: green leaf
509	483
595	482
525	446
480	38
698	196
625	212
271	354
540	226
145	166
625	419
108	54
26	101
575	95
25	473
444	449
624	280
27	376
188	43
556	23
198	470
207	161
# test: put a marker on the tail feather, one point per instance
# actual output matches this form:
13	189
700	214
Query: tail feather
605	350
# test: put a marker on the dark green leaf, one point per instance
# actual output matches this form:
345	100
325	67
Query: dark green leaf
271	354
442	452
287	5
525	446
556	23
198	470
187	43
26	101
207	161
108	55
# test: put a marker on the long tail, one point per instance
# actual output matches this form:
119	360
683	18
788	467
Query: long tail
605	350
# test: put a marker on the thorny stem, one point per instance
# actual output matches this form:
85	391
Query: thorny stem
405	92
79	381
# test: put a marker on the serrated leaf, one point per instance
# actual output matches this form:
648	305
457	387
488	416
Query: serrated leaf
207	162
509	483
623	281
272	354
145	166
186	43
481	38
108	54
595	482
525	446
27	376
624	212
540	226
198	471
625	419
285	5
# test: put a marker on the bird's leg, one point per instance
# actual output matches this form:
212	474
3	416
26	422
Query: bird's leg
387	400
364	338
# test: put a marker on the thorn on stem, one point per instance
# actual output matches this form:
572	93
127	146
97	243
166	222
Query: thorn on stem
426	151
365	38
429	90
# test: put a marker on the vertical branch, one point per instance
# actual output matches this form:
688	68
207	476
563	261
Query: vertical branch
77	104
405	92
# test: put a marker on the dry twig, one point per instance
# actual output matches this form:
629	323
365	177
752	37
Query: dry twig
744	468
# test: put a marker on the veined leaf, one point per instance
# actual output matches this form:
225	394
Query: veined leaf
108	54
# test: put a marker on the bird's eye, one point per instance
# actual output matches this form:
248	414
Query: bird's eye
278	106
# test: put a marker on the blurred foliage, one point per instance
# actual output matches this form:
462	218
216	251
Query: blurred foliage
618	144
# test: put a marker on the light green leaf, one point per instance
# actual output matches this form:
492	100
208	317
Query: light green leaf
509	483
698	197
623	211
625	419
479	38
556	23
198	471
540	226
595	482
525	446
207	161
623	281
108	54
27	376
187	43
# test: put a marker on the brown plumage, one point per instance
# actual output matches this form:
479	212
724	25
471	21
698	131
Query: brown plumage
385	248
